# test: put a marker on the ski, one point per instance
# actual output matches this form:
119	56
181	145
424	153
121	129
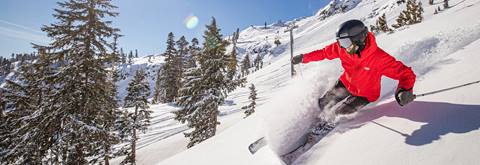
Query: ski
318	133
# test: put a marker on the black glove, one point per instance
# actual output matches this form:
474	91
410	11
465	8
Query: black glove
297	59
404	97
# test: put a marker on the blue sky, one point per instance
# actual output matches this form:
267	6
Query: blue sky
146	23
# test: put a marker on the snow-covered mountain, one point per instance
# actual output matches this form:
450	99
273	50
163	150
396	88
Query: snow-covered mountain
436	129
151	64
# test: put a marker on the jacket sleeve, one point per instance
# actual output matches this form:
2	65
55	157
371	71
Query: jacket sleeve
330	52
398	71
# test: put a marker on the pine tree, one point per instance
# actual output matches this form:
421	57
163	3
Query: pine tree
194	51
205	88
108	141
412	15
139	119
2	106
253	97
73	100
419	12
246	64
402	19
130	56
157	91
430	2
124	56
415	10
183	52
169	80
181	58
445	4
115	55
232	65
24	97
382	24
136	53
258	62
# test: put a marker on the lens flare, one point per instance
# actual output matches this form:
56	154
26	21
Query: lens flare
191	21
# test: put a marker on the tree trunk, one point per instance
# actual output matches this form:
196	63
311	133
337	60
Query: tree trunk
134	141
106	157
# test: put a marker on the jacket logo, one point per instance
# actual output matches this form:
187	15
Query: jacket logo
366	68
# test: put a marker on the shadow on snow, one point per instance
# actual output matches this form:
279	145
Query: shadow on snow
439	118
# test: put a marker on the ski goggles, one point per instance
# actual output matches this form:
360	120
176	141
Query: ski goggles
344	42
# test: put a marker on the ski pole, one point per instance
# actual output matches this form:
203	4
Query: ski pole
446	89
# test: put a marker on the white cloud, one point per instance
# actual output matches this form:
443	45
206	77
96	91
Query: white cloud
21	32
20	26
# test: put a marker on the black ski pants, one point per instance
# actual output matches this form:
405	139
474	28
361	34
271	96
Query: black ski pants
339	93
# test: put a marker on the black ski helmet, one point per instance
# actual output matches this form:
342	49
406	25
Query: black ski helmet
353	29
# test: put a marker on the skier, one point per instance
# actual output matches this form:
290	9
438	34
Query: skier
364	63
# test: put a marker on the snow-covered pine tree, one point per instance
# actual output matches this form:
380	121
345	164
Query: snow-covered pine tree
23	97
232	65
130	56
415	11
402	19
73	116
192	76
253	97
169	80
182	50
182	58
412	15
138	92
382	24
136	53
206	87
2	107
3	131
124	56
115	56
190	94
445	4
4	128
108	141
246	64
418	12
158	93
194	51
258	62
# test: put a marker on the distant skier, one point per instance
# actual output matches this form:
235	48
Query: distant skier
364	64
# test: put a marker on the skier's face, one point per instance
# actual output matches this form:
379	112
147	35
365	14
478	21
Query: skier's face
351	49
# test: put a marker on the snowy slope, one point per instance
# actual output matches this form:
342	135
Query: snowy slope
436	129
151	64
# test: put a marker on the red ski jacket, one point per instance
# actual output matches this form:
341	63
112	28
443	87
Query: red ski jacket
362	75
